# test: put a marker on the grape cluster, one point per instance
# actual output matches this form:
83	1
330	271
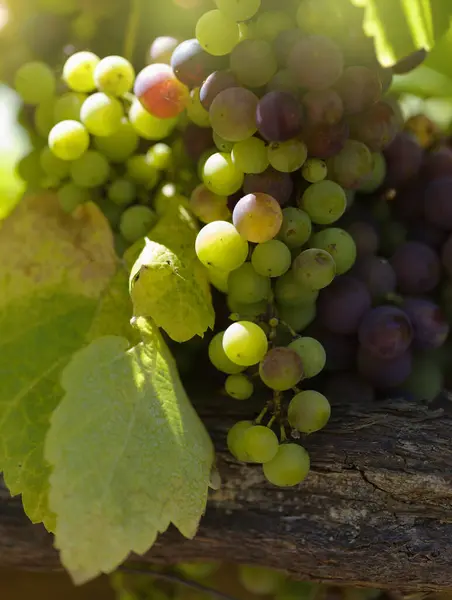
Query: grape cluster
327	224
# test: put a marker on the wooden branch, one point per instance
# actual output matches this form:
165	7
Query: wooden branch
376	510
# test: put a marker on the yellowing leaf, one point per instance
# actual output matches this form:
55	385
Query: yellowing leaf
54	270
167	281
129	454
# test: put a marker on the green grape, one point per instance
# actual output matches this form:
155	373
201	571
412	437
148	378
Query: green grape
67	107
58	7
235	439
314	170
219	245
351	165
140	170
287	157
247	286
111	211
202	161
217	33
339	244
114	75
70	196
325	202
281	369
147	126
218	358
52	165
207	206
29	168
289	291
245	343
91	170
221	175
271	23
49	182
257	217
196	111
160	156
84	27
271	259
167	196
260	580
223	145
296	227
69	140
426	379
308	411
136	222
101	114
374	180
250	155
35	82
78	71
198	570
238	10
219	279
118	147
314	268
247	311
312	354
289	467
239	387
297	317
260	444
253	63
44	118
232	114
122	192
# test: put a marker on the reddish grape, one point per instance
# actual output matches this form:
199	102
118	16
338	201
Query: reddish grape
417	268
342	305
160	92
385	331
381	373
323	107
279	116
324	141
429	323
271	182
215	83
376	127
316	62
359	88
192	64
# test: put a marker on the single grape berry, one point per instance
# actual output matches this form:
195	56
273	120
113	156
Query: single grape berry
239	387
281	369
235	440
289	467
309	411
245	343
257	217
260	444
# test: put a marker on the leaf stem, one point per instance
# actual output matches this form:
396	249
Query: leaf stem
132	29
194	585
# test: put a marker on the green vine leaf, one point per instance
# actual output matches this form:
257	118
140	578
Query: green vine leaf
167	281
402	26
57	280
128	451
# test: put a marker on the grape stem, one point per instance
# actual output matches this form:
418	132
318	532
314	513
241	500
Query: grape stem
261	415
292	332
172	578
132	29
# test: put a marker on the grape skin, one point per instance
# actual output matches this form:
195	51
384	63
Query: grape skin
339	244
218	358
316	62
289	467
162	49
274	183
289	292
207	206
257	217
114	75
78	71
312	354
342	305
381	373
233	114
271	259
221	175
215	83
101	114
296	227
378	275
314	268
308	411
160	93
235	440
217	33
253	63
386	331
69	140
279	116
245	343
136	222
90	170
417	268
239	387
429	323
325	202
247	286
281	369
191	63
219	245
260	444
297	317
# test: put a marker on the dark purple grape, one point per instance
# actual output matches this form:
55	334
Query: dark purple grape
427	234
350	165
377	274
408	205
403	159
325	141
385	331
191	64
284	43
342	305
410	62
438	203
279	116
271	182
215	83
196	140
376	127
429	323
437	163
417	268
348	388
323	107
359	88
316	62
365	236
382	373
340	349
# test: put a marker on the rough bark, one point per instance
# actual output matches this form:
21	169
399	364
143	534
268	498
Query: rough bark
376	509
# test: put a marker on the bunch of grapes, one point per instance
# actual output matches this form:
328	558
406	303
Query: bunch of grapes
325	223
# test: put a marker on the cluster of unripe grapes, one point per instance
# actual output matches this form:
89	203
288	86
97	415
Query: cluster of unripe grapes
325	224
